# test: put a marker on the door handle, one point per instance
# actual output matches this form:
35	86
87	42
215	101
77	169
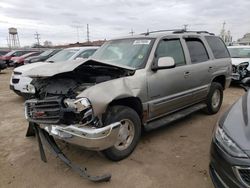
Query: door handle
186	74
210	69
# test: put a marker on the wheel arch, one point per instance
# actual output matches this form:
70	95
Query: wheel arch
132	102
221	79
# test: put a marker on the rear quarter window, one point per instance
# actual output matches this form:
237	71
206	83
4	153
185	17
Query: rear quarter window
218	47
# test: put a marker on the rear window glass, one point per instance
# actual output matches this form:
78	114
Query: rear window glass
218	47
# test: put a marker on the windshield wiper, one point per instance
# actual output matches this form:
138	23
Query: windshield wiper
50	61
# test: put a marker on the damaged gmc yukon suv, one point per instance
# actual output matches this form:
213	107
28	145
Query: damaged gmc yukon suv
130	84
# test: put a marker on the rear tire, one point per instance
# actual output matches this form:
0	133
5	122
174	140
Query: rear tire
214	98
129	133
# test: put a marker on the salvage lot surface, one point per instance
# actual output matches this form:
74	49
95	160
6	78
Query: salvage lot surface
175	156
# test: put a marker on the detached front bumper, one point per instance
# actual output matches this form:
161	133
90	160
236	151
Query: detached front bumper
90	138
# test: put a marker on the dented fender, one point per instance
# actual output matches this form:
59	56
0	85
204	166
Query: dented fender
102	94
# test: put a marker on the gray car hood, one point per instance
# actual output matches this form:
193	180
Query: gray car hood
237	122
52	69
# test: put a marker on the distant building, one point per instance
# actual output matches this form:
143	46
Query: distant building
245	40
226	35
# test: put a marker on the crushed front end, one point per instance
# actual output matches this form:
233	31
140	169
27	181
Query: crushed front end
73	121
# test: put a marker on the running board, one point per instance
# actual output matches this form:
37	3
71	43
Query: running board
173	117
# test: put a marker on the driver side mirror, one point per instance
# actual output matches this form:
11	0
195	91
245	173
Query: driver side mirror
164	63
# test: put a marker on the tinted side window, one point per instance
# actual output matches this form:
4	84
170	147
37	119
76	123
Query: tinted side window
171	48
197	50
218	47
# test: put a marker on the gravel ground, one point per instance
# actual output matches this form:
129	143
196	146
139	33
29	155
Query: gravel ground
176	156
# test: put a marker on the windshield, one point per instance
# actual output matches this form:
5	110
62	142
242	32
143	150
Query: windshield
128	52
47	52
63	55
239	52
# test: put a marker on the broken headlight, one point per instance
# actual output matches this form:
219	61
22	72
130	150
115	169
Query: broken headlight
31	89
79	104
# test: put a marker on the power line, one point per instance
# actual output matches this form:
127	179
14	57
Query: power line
37	37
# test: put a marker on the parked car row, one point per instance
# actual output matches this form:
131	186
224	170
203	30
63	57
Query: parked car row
14	53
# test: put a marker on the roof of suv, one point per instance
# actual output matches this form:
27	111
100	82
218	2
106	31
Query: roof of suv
162	33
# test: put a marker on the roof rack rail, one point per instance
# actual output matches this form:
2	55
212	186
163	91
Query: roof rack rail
164	30
198	32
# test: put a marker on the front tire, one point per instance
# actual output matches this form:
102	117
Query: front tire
214	98
129	133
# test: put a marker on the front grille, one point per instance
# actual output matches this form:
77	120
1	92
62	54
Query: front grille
243	174
44	111
15	81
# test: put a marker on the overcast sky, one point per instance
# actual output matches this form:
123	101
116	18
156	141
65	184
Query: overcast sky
57	20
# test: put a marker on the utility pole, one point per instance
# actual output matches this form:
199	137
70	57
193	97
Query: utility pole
77	30
88	33
37	37
185	26
132	32
8	43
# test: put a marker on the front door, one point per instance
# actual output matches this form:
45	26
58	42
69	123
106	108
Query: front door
169	89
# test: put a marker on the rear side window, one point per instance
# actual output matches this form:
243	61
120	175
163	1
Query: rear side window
218	47
171	48
197	50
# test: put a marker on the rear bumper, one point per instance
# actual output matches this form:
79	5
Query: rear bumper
88	137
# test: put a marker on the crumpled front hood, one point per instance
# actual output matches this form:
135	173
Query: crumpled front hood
51	69
237	122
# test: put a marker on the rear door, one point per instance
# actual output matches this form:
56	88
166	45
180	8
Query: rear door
202	67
